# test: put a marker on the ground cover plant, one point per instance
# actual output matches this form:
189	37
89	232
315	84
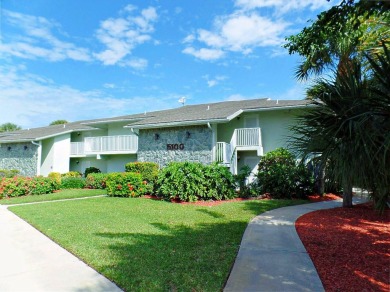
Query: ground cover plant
150	245
349	247
60	195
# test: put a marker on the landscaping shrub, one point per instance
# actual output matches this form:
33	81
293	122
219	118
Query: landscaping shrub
219	182
72	183
148	170
21	186
91	169
280	175
125	184
96	180
56	176
71	174
43	185
14	187
246	190
190	181
8	173
181	180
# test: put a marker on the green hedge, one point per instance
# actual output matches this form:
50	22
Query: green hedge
125	184
191	181
280	175
96	181
9	173
72	183
22	186
91	169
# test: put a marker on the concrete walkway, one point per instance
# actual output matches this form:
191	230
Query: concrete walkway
29	261
271	255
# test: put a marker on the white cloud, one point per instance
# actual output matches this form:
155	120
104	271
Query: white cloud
240	32
204	53
30	101
37	40
211	82
121	35
283	6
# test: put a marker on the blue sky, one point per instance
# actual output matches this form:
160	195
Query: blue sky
76	60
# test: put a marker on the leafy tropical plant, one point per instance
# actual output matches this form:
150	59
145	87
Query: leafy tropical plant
9	127
350	128
280	175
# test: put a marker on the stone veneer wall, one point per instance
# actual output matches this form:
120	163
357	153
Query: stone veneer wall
20	156
197	147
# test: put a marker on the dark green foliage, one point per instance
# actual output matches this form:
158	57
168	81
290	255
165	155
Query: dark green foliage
181	180
91	169
191	181
72	183
9	127
125	184
8	173
96	181
148	170
246	190
282	177
219	182
58	122
350	128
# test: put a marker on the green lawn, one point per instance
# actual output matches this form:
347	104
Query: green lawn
149	245
63	194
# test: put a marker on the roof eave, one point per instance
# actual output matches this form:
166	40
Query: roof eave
176	124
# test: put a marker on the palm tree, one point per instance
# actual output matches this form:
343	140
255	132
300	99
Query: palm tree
350	128
9	127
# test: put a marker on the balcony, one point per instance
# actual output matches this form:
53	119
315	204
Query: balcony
245	139
105	145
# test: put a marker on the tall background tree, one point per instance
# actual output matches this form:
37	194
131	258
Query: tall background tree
349	127
58	122
9	127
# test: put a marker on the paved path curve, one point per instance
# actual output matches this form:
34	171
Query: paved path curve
272	256
30	261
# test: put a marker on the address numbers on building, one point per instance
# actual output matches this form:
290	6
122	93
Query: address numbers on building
175	146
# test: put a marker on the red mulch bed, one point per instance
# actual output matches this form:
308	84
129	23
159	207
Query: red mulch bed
350	247
325	197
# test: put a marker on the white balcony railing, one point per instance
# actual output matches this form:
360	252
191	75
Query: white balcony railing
105	145
223	152
242	140
248	137
77	148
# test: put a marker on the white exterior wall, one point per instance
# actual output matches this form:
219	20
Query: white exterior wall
55	154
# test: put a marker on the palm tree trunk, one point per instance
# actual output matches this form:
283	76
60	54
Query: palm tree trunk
347	195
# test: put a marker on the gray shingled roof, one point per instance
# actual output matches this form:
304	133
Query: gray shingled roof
189	114
42	132
212	112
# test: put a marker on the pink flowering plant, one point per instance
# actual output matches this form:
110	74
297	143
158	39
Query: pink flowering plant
125	184
23	186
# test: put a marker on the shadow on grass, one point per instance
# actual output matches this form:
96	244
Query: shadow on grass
179	258
211	213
